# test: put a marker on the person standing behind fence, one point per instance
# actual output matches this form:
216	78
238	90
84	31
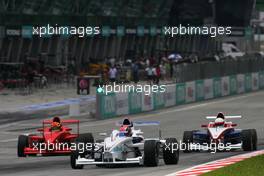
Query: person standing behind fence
112	74
135	68
162	71
149	71
156	73
147	62
30	80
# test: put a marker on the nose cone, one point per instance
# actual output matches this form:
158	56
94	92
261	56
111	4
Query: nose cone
51	137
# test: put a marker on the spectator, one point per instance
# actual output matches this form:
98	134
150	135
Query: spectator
30	80
135	69
158	73
112	61
43	81
112	74
162	71
147	62
149	71
152	61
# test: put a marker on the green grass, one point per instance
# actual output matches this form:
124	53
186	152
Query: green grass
250	167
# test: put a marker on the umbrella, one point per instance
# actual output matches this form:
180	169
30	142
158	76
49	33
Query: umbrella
175	57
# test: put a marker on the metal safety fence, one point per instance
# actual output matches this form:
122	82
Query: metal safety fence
204	70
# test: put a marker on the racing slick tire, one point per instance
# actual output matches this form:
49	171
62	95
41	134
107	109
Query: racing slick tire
247	140
99	140
86	138
169	155
187	139
254	139
74	157
151	153
22	143
83	138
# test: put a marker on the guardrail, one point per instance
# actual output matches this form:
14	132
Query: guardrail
204	70
116	104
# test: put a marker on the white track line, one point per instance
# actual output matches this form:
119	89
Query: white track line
9	140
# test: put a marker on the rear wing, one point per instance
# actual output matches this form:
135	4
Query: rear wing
227	117
144	123
141	123
62	121
69	121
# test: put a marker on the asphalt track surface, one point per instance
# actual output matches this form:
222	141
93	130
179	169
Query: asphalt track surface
174	121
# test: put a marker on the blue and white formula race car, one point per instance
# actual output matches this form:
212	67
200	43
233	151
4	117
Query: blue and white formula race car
220	135
128	146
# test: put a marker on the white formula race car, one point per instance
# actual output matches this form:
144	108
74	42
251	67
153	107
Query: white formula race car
128	146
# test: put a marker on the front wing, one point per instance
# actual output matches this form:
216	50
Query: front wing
84	161
111	158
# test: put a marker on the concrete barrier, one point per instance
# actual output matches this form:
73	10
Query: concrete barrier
74	109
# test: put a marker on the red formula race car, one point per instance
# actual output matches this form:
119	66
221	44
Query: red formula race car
55	138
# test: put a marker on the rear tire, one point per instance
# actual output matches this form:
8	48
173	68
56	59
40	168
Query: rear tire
22	144
170	156
83	138
247	140
86	138
99	141
187	140
151	153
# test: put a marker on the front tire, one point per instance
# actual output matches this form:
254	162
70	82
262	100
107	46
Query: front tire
151	153
247	140
170	156
83	138
22	144
74	157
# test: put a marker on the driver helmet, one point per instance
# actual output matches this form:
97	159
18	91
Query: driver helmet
56	124
127	122
220	115
219	121
126	129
